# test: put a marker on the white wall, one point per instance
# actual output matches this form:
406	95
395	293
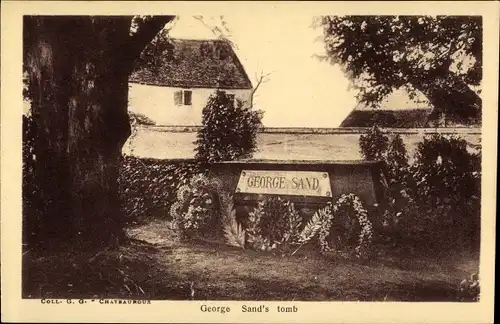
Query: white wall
157	103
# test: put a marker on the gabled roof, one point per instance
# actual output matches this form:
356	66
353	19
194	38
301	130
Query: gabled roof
403	118
196	64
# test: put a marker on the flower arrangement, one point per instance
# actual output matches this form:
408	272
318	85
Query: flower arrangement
469	288
273	223
328	217
195	209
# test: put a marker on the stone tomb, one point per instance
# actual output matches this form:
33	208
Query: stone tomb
308	184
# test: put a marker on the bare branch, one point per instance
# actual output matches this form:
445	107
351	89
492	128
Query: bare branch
223	32
261	78
201	20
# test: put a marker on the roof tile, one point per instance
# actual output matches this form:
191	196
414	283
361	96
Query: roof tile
197	64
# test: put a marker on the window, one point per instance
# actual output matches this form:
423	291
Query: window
187	97
231	97
183	97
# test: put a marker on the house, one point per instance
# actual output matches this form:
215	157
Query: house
179	88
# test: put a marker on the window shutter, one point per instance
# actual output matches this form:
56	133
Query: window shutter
187	97
178	98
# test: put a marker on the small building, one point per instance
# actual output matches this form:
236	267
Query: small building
177	90
399	110
404	118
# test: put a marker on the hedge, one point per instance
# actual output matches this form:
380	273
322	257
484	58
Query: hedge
148	186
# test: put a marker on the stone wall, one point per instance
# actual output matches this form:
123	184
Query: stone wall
282	144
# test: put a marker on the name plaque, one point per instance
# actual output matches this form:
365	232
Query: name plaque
292	183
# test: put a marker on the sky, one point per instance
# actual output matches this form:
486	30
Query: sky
301	91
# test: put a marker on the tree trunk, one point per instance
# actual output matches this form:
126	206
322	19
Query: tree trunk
79	90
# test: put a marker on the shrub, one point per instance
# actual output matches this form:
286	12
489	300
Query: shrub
469	288
377	146
373	145
436	200
196	209
228	131
397	161
148	187
273	223
445	171
448	184
399	182
140	119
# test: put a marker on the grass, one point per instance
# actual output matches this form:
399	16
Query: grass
157	265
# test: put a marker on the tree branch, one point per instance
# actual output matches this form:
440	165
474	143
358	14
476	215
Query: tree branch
217	31
263	78
146	31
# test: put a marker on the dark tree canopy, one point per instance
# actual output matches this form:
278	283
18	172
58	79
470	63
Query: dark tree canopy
151	56
439	56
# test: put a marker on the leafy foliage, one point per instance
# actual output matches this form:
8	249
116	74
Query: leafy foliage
397	159
140	119
373	145
151	56
228	131
469	288
148	187
439	56
448	181
438	193
446	169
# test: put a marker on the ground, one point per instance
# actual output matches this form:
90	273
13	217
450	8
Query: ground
157	265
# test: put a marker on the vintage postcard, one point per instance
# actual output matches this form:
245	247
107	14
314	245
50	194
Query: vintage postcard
248	162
